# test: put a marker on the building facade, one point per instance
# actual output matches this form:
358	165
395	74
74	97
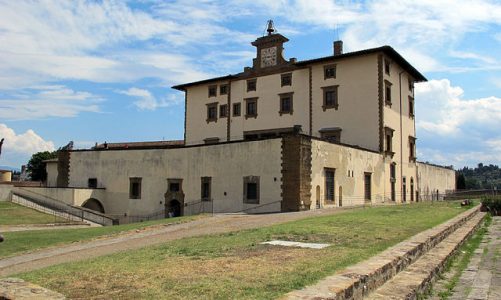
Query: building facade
283	135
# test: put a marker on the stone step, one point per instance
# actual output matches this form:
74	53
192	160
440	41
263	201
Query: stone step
417	277
359	280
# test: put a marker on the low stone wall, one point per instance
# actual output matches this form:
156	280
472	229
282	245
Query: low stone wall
5	192
357	281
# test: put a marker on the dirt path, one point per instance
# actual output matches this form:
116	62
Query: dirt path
134	240
56	226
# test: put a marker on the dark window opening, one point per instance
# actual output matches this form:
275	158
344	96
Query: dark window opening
329	184
330	97
223	111
251	108
92	183
286	79
285	104
387	94
223	89
251	189
236	109
387	66
251	85
174	187
206	188
212	90
411	107
135	187
330	71
212	112
367	186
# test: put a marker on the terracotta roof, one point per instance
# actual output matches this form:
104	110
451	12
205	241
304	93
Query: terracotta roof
388	50
140	145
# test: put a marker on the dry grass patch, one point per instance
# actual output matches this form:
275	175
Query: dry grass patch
236	265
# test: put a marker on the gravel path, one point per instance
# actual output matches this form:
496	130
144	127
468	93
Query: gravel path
139	239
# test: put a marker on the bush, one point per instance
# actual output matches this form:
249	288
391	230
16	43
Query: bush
492	204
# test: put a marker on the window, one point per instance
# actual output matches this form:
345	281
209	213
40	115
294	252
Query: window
412	149
251	189
236	109
329	184
286	79
387	66
251	85
206	188
331	134
212	90
223	89
412	189
411	107
135	188
92	183
285	103
211	140
329	71
212	112
330	97
223	111
251	108
174	187
387	93
367	186
388	133
411	84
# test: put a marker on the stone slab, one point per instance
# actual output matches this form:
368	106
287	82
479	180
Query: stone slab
14	288
296	244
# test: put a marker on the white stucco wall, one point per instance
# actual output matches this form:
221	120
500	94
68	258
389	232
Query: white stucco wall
51	168
227	164
432	178
350	167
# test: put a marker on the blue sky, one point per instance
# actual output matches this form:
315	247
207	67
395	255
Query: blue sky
95	71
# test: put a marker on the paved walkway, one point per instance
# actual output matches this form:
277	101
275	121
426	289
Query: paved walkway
56	226
482	278
139	239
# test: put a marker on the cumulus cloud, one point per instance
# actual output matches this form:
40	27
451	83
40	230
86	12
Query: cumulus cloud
444	111
147	101
47	101
20	146
455	130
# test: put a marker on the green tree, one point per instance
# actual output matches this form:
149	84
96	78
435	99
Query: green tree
461	182
36	166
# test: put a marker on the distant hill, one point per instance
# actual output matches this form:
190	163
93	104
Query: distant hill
10	168
481	177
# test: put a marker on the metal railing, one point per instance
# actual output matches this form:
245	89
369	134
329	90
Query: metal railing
64	210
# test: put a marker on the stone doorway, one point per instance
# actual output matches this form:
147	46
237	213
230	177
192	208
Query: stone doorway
174	208
94	204
319	205
174	198
340	196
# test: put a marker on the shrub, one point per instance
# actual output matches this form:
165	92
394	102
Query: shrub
492	204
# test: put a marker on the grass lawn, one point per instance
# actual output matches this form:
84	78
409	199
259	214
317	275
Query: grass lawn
236	265
22	241
14	214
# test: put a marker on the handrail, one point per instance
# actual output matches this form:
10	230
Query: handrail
77	211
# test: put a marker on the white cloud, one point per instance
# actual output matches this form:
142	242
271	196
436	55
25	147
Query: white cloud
47	101
442	110
146	100
17	148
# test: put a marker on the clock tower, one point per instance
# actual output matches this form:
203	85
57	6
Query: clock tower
269	49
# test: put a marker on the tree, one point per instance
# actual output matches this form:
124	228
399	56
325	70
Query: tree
461	182
36	166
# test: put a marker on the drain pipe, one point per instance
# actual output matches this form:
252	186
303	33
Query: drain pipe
401	141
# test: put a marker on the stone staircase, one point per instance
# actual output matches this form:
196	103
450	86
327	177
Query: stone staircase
402	271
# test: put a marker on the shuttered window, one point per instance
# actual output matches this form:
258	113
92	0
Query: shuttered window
329	184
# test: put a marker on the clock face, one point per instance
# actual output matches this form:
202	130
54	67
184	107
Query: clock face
268	57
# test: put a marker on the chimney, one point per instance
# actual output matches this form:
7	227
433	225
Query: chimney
338	47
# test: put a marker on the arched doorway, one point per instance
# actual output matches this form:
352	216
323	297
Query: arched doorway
94	204
174	208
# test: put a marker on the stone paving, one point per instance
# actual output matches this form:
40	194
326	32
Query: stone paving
482	278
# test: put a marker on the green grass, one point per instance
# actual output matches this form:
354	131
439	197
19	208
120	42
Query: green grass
23	241
14	214
235	265
458	263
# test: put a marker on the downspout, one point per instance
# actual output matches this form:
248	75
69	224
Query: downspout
228	112
401	140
